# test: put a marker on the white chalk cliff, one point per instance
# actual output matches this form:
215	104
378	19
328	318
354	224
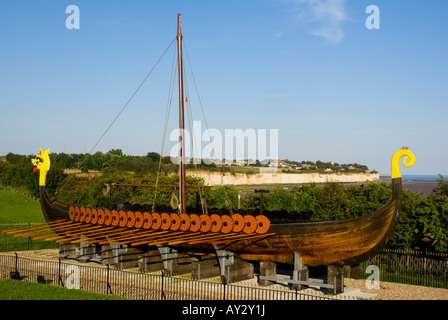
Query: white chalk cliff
227	178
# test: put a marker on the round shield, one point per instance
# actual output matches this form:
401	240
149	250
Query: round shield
138	220
263	224
77	214
238	222
156	221
101	215
94	215
88	218
166	221
82	216
131	219
195	224
185	222
251	224
147	220
227	224
206	223
107	217
115	218
71	212
123	218
216	223
175	221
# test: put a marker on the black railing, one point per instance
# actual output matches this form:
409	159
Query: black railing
421	268
136	285
407	267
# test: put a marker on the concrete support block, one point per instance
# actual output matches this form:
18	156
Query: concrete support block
300	275
267	269
205	267
109	254
240	270
128	258
87	251
66	249
150	261
335	276
169	261
182	264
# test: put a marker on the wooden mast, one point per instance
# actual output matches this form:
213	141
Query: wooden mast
183	204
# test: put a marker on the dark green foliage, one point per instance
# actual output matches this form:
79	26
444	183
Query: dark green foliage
422	225
442	188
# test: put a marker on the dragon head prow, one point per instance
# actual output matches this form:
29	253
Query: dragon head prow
42	164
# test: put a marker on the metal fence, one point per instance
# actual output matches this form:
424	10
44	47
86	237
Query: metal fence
421	268
407	267
136	285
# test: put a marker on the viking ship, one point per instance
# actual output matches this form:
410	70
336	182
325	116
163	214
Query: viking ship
249	237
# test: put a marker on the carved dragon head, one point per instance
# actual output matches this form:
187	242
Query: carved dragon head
42	164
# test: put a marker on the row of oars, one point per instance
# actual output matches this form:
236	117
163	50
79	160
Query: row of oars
75	232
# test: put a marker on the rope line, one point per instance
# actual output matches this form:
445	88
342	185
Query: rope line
135	92
167	115
203	113
118	115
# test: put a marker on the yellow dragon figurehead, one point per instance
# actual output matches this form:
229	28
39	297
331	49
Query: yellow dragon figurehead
42	163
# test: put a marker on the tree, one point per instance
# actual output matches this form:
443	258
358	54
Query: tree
14	158
442	188
153	156
115	152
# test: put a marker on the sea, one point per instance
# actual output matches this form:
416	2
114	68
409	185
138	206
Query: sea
416	177
423	183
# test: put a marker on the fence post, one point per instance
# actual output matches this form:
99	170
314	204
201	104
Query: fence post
59	273
108	288
17	258
163	280
224	294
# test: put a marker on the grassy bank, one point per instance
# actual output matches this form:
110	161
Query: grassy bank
19	210
16	207
21	290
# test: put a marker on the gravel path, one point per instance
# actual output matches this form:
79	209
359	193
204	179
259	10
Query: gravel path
398	291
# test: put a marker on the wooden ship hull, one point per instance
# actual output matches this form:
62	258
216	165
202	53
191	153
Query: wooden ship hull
340	242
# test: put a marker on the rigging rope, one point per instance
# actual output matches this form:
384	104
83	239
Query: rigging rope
167	115
135	92
202	109
122	109
192	136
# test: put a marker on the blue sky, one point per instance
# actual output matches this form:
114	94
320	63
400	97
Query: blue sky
335	90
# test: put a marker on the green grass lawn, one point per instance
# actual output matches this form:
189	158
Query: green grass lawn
22	290
19	208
